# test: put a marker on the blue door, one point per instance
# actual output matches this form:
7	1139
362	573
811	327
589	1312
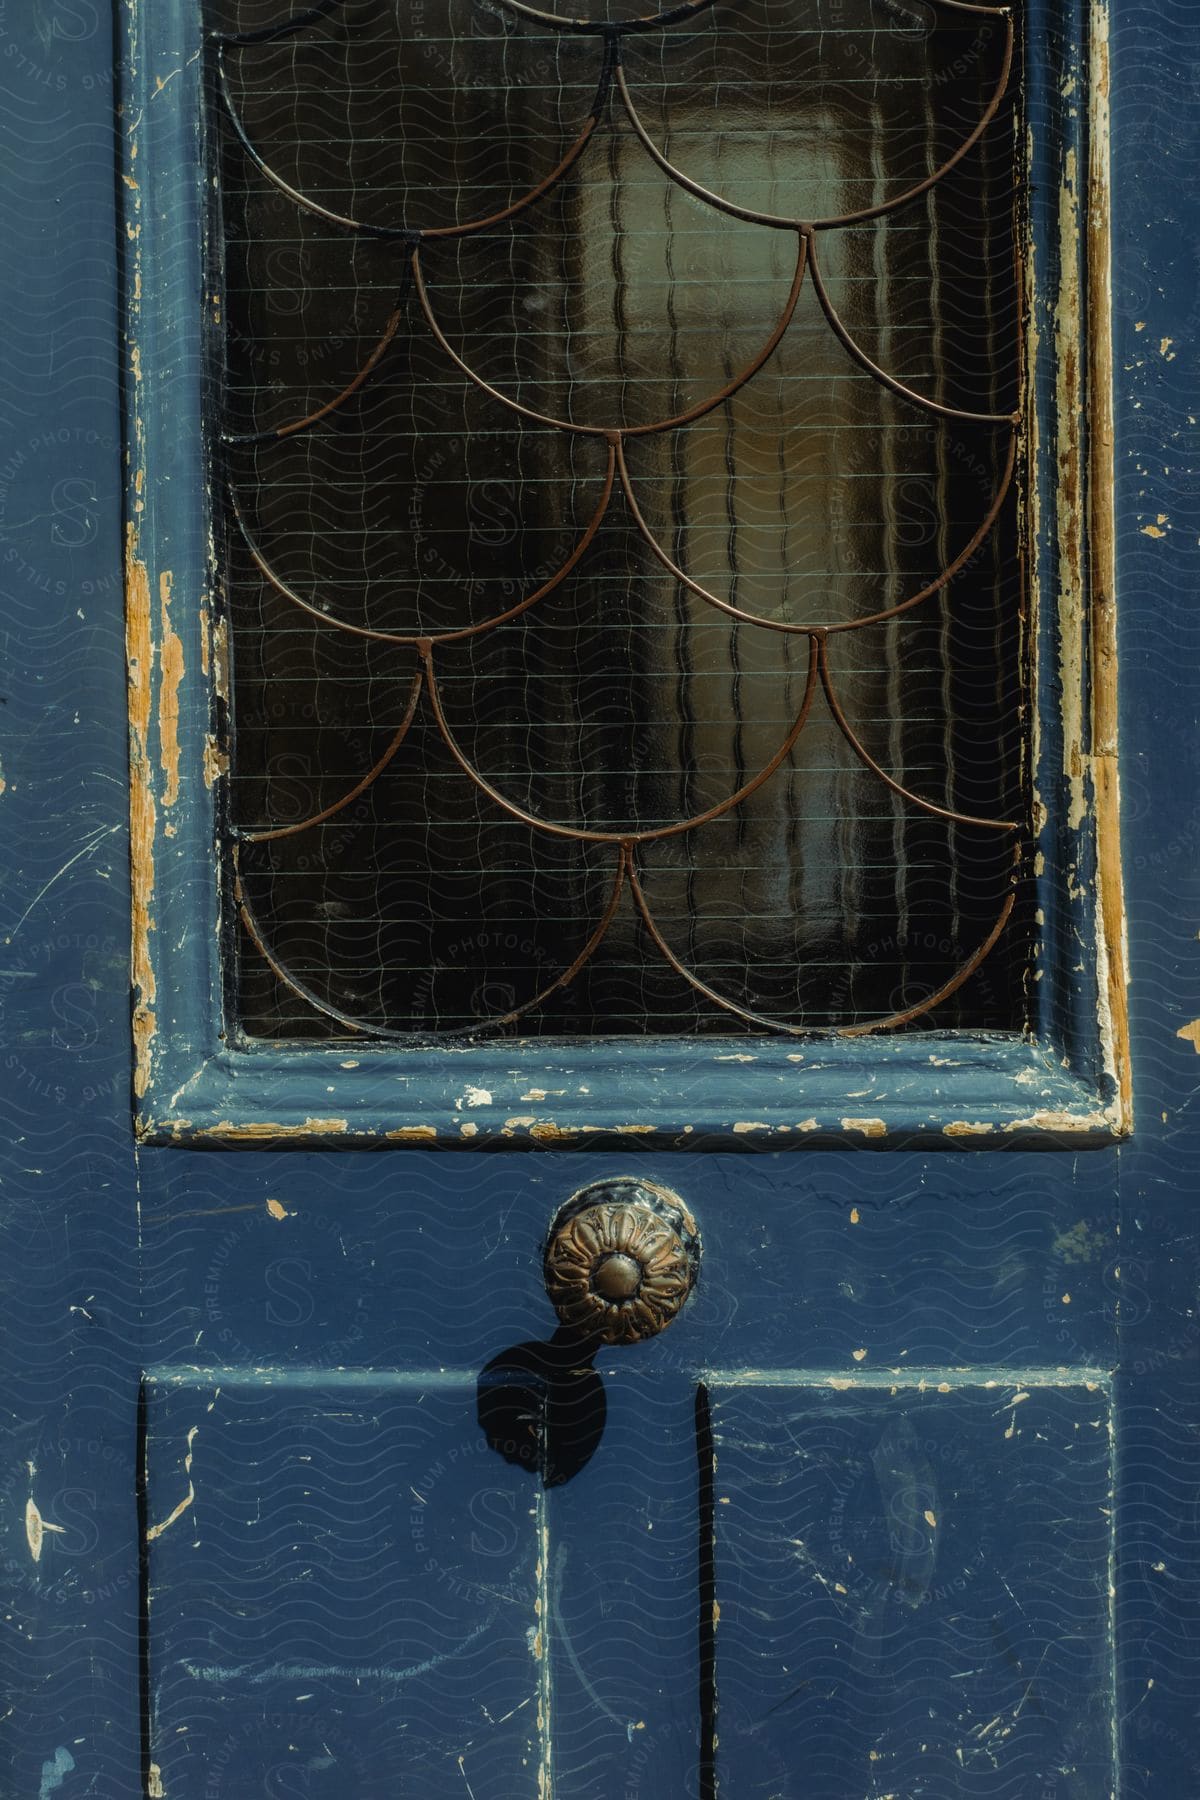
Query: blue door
619	1329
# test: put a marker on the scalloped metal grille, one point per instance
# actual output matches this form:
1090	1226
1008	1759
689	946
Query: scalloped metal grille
619	452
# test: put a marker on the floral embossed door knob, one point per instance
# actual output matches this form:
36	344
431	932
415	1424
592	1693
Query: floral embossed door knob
622	1257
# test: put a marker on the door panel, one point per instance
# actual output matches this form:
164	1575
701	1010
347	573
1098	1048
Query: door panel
863	1346
336	1595
915	1586
367	1281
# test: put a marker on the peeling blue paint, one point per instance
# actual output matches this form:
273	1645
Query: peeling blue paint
55	1773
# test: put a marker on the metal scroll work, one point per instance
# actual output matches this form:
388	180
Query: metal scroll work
621	448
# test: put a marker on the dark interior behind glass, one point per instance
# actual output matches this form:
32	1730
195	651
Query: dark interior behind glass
621	701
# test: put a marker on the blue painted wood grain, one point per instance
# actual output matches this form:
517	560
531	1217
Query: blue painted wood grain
117	1262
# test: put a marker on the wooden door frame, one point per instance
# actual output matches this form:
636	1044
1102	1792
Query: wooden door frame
1067	1083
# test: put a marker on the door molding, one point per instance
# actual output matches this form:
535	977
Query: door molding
196	1082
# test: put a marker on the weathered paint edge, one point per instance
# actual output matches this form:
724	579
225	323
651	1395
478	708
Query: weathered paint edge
139	631
1112	948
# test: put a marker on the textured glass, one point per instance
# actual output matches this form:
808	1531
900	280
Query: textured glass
637	418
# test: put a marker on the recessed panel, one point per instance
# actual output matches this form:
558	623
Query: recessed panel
915	1589
342	1592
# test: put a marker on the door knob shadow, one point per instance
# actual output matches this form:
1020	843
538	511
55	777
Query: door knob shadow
541	1405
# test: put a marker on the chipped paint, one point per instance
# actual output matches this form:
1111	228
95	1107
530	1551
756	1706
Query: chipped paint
620	1130
872	1128
543	1607
1069	511
153	1532
1069	1122
216	761
219	650
170	656
54	1773
1190	1035
139	657
257	1133
549	1131
545	1131
139	653
1065	1117
897	1380
1084	603
36	1528
1111	923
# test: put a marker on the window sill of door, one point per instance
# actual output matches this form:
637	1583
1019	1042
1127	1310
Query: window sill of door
930	1089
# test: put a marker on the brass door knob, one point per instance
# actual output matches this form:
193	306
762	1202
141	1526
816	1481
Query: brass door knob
622	1257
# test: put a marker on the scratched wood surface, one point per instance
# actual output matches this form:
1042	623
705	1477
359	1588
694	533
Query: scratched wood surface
138	1611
